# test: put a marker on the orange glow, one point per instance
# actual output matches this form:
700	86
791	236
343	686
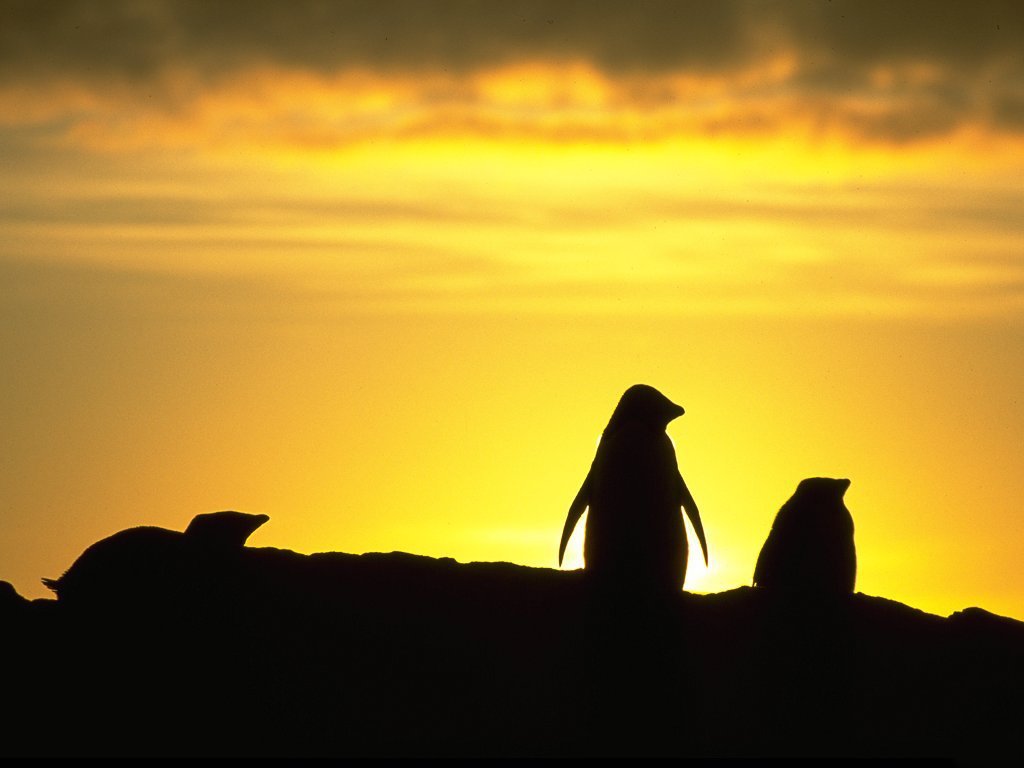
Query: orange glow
570	102
394	311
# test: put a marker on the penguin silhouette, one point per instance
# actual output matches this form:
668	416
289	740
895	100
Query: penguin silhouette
139	564
809	550
635	532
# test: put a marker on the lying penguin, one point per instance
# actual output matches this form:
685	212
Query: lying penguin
149	563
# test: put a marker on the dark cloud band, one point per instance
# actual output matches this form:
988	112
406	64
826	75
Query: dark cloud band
135	38
893	71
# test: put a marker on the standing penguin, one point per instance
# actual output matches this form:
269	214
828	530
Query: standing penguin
635	532
809	550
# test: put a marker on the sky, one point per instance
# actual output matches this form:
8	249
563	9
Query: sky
381	270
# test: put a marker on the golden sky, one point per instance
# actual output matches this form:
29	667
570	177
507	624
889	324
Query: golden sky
381	270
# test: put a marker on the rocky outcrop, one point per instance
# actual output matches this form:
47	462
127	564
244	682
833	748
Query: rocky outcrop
269	652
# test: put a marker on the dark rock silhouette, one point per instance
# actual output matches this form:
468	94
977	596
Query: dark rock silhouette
11	603
809	551
635	535
281	654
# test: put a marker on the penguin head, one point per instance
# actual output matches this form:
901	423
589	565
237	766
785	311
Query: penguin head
224	529
822	489
644	404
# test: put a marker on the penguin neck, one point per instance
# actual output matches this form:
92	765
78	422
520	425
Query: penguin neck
618	423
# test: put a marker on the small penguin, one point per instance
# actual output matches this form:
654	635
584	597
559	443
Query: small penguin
635	533
809	550
146	561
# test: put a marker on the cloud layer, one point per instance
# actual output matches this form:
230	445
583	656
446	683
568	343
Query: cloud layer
134	39
841	157
342	71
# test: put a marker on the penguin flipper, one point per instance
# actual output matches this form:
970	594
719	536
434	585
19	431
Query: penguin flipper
579	504
688	504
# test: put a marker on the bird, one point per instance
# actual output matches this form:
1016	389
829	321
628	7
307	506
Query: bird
635	535
140	563
810	550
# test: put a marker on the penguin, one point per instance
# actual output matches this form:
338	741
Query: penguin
146	562
810	550
635	534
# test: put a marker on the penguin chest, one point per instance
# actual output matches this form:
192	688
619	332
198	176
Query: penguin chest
634	513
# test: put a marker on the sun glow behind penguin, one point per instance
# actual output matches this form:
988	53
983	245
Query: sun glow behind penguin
699	577
315	252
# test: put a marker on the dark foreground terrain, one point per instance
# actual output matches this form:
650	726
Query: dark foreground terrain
268	652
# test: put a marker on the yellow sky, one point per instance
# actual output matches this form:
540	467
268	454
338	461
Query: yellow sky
391	298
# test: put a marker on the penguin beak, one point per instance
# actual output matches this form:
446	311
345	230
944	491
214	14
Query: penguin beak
675	412
844	484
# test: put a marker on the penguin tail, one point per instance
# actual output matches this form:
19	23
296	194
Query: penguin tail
52	584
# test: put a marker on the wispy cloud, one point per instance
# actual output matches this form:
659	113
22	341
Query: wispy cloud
875	250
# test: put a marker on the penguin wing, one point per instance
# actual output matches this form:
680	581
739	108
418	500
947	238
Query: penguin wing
688	504
579	504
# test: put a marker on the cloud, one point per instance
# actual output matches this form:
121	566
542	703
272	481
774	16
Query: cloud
870	33
591	244
327	73
135	39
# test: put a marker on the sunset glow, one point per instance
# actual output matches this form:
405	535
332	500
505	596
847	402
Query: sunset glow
387	286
